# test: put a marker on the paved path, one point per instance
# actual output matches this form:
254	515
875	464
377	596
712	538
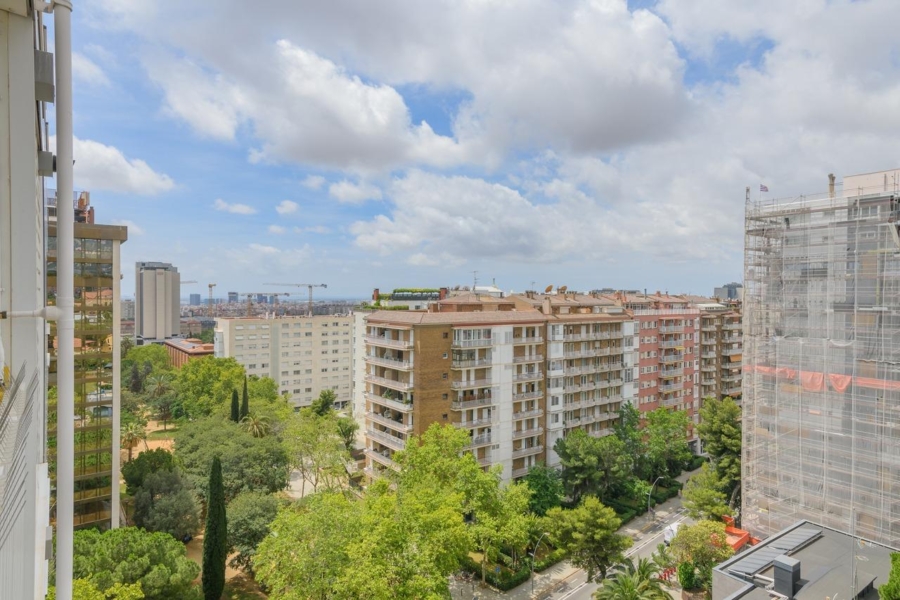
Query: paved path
566	582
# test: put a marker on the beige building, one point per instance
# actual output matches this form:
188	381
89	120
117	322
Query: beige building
157	302
305	355
721	350
517	373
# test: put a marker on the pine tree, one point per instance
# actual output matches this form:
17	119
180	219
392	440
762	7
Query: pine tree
215	538
235	412
245	405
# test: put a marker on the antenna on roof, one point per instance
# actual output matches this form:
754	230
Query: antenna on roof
562	289
549	289
474	280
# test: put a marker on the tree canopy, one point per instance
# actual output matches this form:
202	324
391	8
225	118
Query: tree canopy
592	465
589	534
134	472
164	503
250	517
704	545
703	497
720	433
205	384
546	487
666	434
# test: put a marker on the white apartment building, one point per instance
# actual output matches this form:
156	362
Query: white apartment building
157	302
305	355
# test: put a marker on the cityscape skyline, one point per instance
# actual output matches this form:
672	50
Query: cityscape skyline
585	167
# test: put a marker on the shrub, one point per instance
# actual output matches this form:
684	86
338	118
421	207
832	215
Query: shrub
686	576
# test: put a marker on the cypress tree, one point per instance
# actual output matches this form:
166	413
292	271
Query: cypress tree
215	536
245	405
235	412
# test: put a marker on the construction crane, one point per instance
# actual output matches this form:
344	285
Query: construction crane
310	286
210	308
250	299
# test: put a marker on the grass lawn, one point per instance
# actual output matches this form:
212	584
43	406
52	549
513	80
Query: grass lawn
162	435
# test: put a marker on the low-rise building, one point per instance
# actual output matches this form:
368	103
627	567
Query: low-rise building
183	350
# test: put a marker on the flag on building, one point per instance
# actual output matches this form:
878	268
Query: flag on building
763	188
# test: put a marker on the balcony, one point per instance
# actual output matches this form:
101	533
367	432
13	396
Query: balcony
708	328
600	433
671	343
391	363
389	422
382	459
731	377
485	422
480	440
524	433
609	366
732	351
733	326
480	343
528	414
403	386
708	381
529	358
579	370
668	373
470	384
386	439
473	403
670	387
708	368
671	358
603	384
672	329
527	451
528	376
521	472
732	390
537	339
470	363
528	395
386	342
397	405
485	461
591	336
708	355
582	387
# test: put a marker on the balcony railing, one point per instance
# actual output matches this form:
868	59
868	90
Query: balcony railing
595	335
528	376
708	381
537	339
671	387
485	461
470	383
528	395
397	405
609	366
708	328
707	368
403	386
671	358
480	343
529	358
391	363
708	355
671	343
733	326
386	439
382	459
732	390
378	340
524	433
582	387
473	403
600	432
476	423
528	414
732	351
521	472
480	440
671	329
731	378
470	363
389	422
527	451
666	373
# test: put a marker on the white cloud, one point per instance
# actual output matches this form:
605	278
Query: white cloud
313	182
133	229
264	249
87	71
277	229
99	167
353	193
234	208
286	207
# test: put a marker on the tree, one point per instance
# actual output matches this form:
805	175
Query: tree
248	463
628	429
704	545
136	471
250	516
83	589
891	589
316	450
347	429
164	503
257	426
153	355
128	555
235	407
163	407
215	535
158	383
135	381
546	488
131	434
324	404
245	403
204	385
500	520
592	465
634	582
720	433
703	497
667	448
589	534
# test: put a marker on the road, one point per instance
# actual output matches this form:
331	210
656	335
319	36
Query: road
577	587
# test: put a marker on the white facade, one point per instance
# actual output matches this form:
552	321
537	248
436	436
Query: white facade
157	301
24	482
358	359
304	355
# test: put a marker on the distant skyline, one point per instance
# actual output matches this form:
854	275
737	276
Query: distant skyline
588	143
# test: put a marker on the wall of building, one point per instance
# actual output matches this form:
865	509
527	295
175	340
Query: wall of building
157	301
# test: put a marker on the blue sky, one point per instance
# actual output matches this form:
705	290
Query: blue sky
582	143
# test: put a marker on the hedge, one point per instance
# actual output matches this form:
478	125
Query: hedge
506	580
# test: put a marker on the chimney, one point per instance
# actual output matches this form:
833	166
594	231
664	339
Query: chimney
831	185
444	293
787	576
375	295
546	308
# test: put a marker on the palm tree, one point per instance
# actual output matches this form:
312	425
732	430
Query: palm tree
256	426
634	582
133	433
158	384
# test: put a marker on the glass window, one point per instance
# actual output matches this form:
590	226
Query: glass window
106	248
92	248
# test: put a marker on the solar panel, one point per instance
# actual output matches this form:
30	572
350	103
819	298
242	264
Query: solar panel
757	560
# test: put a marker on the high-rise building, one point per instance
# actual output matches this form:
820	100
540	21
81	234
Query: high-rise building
97	371
304	355
195	300
721	349
729	291
26	84
233	298
517	373
157	303
822	387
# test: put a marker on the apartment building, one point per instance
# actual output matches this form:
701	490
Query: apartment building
822	330
157	302
305	355
97	373
516	377
721	348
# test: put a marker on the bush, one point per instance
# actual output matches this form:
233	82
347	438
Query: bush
626	516
695	463
686	576
550	560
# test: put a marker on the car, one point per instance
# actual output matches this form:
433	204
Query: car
670	532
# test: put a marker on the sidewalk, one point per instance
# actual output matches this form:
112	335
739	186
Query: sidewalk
544	583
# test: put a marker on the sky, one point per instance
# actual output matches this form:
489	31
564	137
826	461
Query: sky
587	143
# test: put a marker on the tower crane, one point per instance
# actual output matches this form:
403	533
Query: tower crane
210	308
310	286
250	299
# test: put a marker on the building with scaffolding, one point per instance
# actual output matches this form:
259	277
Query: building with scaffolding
822	361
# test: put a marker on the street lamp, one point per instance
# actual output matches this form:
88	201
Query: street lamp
651	491
533	553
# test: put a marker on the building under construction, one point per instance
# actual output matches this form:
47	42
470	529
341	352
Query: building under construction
822	360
